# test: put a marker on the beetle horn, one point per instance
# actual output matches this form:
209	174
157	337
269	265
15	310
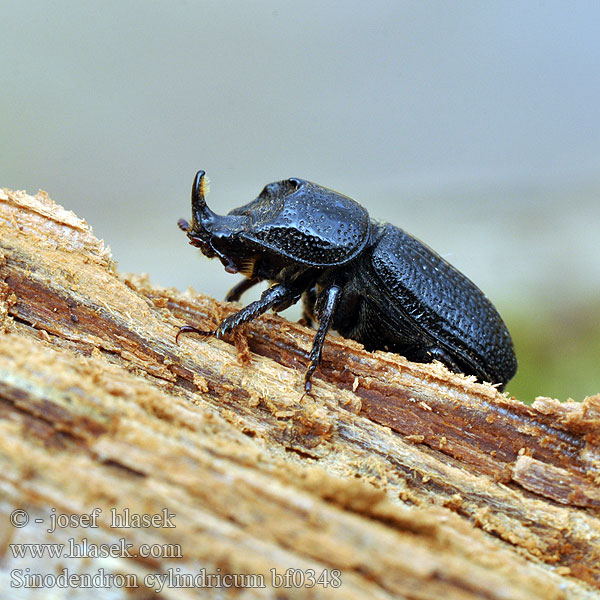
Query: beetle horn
200	210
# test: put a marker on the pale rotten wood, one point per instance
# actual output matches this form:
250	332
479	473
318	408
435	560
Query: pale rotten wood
412	481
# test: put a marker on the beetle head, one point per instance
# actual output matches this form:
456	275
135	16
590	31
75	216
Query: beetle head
292	221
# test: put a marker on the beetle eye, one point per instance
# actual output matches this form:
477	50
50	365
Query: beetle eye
282	188
289	186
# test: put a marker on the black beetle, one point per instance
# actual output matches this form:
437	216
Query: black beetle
370	281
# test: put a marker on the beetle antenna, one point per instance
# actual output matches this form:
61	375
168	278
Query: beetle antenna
200	209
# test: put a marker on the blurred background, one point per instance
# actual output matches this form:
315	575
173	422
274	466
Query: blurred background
475	126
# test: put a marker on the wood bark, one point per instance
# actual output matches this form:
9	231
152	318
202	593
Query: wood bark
409	480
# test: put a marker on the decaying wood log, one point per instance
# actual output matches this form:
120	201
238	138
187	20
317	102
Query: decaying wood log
410	481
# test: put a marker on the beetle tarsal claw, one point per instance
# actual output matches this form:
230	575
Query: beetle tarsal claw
190	329
307	384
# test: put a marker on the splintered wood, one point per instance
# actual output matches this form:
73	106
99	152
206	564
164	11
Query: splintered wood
393	480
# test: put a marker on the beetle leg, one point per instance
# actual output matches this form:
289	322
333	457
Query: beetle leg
326	306
280	294
273	297
235	293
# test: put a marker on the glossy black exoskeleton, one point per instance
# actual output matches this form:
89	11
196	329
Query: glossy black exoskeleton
370	281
